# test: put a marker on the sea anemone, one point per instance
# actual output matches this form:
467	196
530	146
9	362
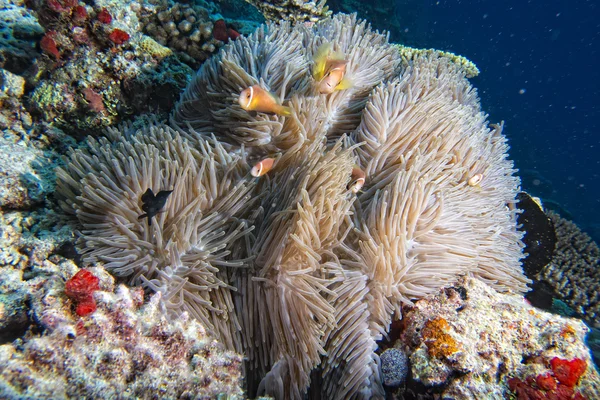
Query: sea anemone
325	270
181	253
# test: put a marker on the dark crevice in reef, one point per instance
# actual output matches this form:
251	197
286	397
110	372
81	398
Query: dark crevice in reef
15	321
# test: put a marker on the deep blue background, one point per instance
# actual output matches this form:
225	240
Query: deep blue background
540	73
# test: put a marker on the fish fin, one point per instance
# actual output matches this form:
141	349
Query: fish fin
338	56
320	59
142	216
161	197
148	195
285	111
345	83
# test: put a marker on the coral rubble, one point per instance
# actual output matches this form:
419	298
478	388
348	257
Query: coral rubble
469	342
19	29
123	350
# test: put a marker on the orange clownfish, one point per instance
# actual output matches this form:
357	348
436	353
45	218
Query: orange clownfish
262	167
258	99
358	180
329	70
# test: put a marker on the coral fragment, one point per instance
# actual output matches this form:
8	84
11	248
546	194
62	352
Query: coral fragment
568	372
48	45
118	37
80	288
104	17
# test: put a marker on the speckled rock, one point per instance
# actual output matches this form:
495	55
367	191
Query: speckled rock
22	184
19	31
468	340
11	85
123	350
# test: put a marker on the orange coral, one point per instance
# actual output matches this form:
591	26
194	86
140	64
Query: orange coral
439	342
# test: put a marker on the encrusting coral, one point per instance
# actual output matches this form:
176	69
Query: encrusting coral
409	53
469	342
574	272
292	10
126	349
310	290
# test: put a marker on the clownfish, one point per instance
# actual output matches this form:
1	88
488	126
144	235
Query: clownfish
358	180
329	70
262	167
258	99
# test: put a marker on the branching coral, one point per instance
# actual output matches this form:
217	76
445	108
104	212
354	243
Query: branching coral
323	273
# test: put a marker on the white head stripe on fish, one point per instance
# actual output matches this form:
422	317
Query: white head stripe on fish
251	95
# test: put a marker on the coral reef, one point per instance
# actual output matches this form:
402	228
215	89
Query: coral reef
307	293
15	122
292	10
123	350
409	53
185	28
470	342
97	68
574	272
21	186
19	31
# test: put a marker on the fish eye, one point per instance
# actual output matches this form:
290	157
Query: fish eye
248	95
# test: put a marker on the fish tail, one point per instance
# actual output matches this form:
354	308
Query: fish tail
285	111
345	83
320	58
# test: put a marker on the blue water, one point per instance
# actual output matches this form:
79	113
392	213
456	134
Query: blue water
539	73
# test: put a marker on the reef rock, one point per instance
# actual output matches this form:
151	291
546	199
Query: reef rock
470	342
123	350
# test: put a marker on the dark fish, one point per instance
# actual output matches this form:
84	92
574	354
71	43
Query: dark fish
540	237
541	295
153	204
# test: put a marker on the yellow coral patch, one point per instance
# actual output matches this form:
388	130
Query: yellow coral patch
439	342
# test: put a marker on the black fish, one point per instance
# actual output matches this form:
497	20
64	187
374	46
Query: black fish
539	239
153	204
